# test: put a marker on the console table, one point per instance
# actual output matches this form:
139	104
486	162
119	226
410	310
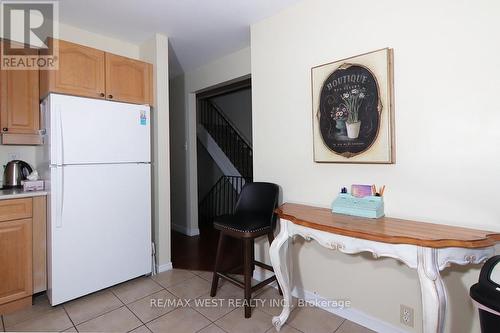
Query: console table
425	247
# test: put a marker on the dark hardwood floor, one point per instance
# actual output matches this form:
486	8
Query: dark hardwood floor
198	252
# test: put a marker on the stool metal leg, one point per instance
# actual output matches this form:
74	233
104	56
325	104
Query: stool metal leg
218	259
248	276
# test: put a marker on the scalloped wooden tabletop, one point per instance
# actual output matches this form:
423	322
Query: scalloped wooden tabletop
386	229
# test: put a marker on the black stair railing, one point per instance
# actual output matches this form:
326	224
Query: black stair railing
221	199
227	136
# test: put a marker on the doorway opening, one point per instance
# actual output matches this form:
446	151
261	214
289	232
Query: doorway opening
225	165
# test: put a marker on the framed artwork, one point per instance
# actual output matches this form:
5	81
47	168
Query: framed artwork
352	101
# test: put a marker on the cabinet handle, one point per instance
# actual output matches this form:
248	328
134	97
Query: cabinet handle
110	96
5	129
102	94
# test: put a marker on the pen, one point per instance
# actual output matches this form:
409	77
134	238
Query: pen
382	189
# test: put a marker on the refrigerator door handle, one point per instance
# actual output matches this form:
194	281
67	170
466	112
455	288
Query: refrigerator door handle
60	196
59	135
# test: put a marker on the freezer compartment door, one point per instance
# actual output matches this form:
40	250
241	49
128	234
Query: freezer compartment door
100	228
84	131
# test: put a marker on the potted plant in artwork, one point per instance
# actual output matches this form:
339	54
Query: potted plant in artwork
352	102
339	114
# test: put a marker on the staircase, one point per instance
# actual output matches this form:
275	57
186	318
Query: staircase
233	155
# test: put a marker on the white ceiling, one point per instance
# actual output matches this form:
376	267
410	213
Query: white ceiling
199	31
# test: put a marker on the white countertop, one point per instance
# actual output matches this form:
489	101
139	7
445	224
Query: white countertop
14	193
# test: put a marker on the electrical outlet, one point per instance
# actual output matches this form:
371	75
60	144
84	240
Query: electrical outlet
13	156
406	315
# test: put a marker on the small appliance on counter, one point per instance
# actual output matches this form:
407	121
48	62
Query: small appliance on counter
15	172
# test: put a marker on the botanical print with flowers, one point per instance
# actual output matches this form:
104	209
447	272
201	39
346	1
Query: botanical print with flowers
349	113
352	110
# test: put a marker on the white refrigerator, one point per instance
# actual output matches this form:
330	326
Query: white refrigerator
98	174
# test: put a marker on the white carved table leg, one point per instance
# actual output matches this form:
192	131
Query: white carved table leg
432	289
279	260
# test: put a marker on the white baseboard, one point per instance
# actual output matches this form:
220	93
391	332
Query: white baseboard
352	314
185	230
164	267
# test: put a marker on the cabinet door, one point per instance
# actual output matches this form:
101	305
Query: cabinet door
80	73
15	260
20	111
128	80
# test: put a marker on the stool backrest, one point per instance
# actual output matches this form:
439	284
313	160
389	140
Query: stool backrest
259	199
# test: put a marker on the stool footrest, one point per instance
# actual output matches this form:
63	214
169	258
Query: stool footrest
240	284
263	283
265	266
231	279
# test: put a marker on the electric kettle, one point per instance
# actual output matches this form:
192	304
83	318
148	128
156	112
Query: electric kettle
15	171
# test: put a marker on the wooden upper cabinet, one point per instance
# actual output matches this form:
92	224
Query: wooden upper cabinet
128	80
88	72
81	72
19	102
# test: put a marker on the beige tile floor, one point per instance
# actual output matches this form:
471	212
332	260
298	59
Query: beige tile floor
127	308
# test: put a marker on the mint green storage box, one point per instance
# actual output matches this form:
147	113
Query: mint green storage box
371	207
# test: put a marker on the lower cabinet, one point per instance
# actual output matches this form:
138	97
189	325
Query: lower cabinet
15	264
22	251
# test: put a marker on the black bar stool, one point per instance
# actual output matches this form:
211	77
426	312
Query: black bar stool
253	217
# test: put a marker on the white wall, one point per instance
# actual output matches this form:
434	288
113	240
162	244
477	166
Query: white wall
98	41
447	73
155	51
178	153
183	108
